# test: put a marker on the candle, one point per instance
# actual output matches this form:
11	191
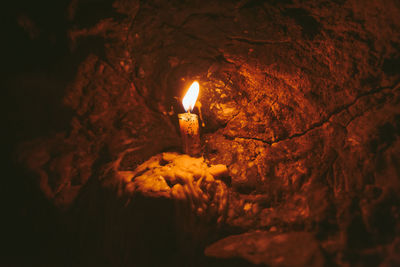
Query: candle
189	122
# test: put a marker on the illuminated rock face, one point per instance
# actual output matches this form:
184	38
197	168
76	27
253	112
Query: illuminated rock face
300	102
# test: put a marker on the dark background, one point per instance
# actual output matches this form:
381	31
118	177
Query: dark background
37	65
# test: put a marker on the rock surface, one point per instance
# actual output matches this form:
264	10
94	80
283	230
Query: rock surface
270	249
178	177
300	101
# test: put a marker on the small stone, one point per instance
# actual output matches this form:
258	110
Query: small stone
247	207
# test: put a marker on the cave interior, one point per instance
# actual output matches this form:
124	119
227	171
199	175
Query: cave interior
299	129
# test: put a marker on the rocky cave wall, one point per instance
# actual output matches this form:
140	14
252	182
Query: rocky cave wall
300	100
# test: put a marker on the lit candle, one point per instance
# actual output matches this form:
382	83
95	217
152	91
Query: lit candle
189	122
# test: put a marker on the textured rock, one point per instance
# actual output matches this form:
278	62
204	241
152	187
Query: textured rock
178	177
300	102
270	249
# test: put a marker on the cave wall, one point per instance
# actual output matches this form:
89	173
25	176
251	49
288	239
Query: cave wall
299	99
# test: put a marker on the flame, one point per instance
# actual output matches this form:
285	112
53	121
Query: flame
189	100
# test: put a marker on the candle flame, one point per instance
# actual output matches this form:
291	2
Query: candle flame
189	100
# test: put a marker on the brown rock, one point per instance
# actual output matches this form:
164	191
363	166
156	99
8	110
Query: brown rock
300	102
269	249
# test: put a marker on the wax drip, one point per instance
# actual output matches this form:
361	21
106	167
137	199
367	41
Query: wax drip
198	105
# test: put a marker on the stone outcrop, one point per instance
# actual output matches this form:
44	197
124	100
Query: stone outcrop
300	103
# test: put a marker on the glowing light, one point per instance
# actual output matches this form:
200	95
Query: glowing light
189	100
